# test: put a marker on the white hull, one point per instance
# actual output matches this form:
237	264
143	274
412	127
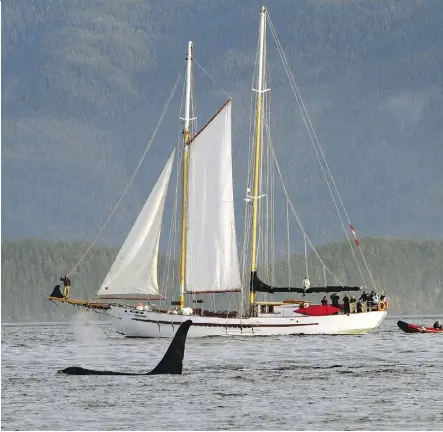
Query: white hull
152	324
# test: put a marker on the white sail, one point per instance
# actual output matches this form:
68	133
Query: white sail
211	252
134	272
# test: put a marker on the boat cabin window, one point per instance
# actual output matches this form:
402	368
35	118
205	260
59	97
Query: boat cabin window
271	309
263	308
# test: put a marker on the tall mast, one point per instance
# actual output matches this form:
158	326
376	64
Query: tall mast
186	141
259	115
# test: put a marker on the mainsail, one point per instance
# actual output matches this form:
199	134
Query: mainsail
134	272
211	248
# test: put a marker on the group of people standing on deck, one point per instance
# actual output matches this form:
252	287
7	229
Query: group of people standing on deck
350	304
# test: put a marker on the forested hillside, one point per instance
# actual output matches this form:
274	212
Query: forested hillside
410	272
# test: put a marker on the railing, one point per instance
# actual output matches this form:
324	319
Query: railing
362	306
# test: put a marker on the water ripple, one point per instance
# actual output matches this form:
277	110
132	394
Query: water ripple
263	383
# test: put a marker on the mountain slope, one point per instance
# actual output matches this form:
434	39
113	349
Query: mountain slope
410	272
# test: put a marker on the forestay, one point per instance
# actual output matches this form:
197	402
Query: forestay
211	253
134	272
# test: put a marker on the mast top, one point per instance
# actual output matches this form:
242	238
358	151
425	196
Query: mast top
189	56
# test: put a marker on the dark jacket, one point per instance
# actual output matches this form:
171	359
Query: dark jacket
66	281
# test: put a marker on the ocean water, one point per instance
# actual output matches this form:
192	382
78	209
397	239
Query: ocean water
385	380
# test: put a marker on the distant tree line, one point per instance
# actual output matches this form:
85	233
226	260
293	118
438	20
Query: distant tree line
410	272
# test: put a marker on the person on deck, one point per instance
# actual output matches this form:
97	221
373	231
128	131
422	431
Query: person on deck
306	283
375	299
334	299
353	304
67	286
437	325
324	301
346	307
364	297
371	300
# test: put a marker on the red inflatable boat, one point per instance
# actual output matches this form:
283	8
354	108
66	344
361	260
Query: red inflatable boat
414	328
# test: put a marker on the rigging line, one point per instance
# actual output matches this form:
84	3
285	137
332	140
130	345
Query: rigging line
172	243
248	207
270	183
171	248
231	298
299	99
247	216
306	259
367	268
189	247
148	146
266	203
245	249
194	121
271	202
315	143
260	223
289	244
329	172
302	107
290	75
166	276
273	220
174	278
270	198
273	224
264	185
297	258
306	119
309	129
263	213
172	234
294	211
211	78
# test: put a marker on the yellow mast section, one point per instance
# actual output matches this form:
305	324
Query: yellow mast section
186	141
255	191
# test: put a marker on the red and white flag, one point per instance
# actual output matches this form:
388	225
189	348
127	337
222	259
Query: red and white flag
355	235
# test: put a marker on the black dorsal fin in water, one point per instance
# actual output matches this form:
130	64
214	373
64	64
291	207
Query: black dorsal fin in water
171	363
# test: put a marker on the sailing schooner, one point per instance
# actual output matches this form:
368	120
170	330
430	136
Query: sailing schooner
209	262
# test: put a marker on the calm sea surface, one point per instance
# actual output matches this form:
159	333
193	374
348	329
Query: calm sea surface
386	380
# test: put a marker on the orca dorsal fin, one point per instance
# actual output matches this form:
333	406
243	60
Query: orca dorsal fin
172	361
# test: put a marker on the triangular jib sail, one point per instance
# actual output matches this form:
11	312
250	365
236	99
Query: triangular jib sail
211	249
134	272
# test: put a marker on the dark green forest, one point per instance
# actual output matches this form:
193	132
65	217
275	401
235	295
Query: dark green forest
410	272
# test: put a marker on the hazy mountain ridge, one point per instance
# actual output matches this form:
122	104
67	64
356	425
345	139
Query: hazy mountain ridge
410	272
84	83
